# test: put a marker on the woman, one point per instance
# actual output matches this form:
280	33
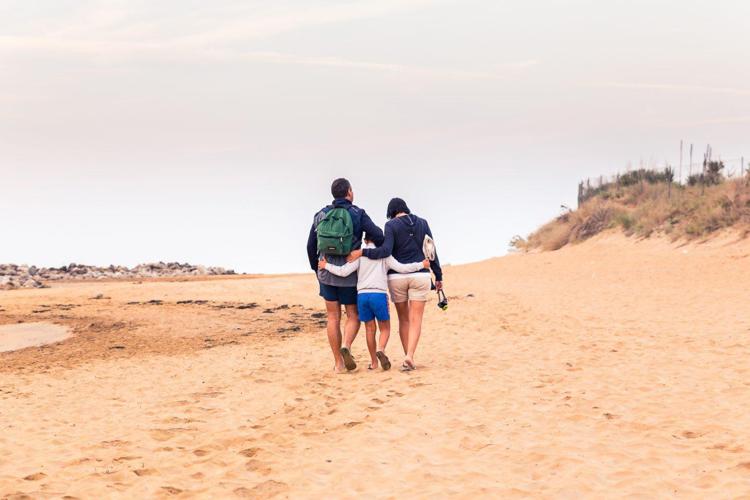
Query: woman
404	239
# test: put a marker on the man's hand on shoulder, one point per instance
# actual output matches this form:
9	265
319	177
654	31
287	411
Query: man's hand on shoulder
426	264
356	254
322	263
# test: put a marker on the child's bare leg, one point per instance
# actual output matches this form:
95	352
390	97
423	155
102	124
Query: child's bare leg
370	330
385	334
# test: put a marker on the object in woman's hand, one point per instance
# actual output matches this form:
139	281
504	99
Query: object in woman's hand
428	248
443	304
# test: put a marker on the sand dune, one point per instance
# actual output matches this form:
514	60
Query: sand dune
612	368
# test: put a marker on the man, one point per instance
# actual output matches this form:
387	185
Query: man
335	290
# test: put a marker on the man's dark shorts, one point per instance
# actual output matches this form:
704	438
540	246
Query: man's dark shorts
345	295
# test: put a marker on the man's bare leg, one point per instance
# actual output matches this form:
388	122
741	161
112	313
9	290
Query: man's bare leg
351	328
416	312
333	309
402	310
370	331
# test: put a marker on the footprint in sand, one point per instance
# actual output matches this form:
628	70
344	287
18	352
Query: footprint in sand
727	448
181	420
472	444
35	477
269	489
116	443
207	394
144	472
250	452
171	490
258	466
200	453
166	434
690	435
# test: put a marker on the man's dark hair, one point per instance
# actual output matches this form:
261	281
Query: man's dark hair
397	206
340	188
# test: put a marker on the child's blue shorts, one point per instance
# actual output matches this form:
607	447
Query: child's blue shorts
372	306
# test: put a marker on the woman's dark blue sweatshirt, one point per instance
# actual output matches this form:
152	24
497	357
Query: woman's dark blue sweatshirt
404	237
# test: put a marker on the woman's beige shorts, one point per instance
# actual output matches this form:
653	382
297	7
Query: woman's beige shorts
410	288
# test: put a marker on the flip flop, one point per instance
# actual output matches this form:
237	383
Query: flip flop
348	359
384	361
407	366
370	368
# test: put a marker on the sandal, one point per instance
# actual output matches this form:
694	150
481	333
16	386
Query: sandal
348	359
407	366
384	361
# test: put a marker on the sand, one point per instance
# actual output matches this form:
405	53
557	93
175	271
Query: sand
608	369
22	335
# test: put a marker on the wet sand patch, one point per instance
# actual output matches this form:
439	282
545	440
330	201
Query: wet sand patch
22	335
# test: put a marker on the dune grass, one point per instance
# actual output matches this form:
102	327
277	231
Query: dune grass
643	209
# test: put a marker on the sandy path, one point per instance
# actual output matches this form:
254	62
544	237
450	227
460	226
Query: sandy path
605	370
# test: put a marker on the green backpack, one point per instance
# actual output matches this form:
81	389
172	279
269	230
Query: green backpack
336	232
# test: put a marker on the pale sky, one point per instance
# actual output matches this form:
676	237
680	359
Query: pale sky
209	132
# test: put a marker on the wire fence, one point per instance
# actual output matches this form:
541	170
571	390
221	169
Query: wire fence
706	172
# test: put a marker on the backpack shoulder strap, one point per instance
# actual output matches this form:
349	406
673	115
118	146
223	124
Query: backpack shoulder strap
321	215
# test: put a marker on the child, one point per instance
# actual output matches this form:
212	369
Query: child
372	298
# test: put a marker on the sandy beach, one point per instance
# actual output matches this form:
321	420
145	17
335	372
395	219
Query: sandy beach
607	369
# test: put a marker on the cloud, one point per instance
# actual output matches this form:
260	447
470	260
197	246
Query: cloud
258	26
336	62
675	87
727	120
109	35
168	23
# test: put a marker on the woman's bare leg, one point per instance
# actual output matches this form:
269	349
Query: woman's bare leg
402	310
416	312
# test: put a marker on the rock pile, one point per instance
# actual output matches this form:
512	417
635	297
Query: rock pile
13	276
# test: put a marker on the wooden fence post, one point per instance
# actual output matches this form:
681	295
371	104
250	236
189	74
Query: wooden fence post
679	181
